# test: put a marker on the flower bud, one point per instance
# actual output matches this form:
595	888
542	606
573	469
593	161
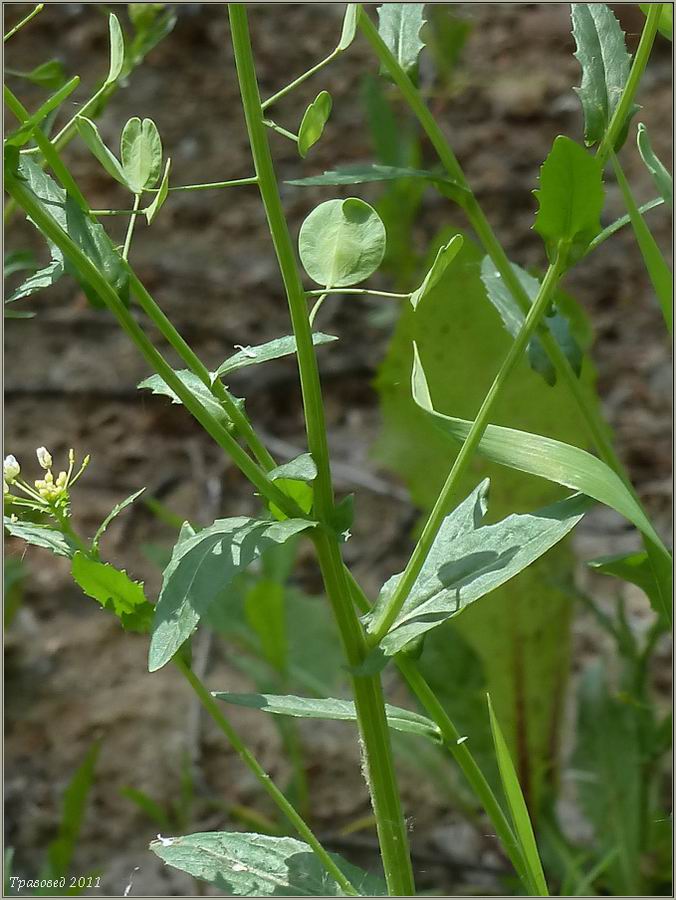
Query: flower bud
10	468
44	457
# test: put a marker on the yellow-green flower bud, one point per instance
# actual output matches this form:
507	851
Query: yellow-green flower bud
44	457
10	468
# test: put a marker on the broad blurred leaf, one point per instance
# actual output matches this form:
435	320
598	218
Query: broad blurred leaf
602	53
255	865
279	347
341	242
343	710
570	197
662	178
513	319
632	567
50	74
203	565
399	26
312	125
666	22
141	153
469	559
152	23
115	591
264	609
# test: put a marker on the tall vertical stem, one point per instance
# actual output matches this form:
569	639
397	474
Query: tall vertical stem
369	701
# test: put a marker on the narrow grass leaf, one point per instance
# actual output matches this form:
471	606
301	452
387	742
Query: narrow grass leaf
141	153
517	808
660	175
399	26
115	591
658	271
570	197
23	134
365	173
445	255
264	611
116	49
542	456
160	197
260	353
341	242
201	567
257	865
602	53
342	710
469	560
314	120
60	852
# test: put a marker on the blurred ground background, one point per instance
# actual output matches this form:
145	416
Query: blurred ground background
70	378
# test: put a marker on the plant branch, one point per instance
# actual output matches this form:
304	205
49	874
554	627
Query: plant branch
250	761
615	226
130	229
24	21
366	291
301	78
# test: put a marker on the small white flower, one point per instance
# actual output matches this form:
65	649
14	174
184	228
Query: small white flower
10	468
44	457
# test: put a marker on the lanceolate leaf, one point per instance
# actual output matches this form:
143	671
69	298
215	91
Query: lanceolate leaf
469	560
141	153
602	53
343	710
90	135
313	122
542	456
115	591
279	347
364	173
443	259
349	31
661	177
43	278
40	536
632	567
255	865
302	468
155	384
115	511
570	198
201	567
160	197
399	26
24	132
513	318
116	49
341	242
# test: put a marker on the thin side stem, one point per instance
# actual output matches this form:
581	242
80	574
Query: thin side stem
116	212
315	309
250	761
130	229
273	126
615	226
301	78
623	108
366	291
369	703
380	626
53	231
211	185
24	21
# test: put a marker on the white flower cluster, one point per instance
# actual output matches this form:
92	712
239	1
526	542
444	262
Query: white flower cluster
45	491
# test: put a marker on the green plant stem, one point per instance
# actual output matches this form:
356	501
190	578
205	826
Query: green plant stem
366	291
369	703
197	367
658	271
380	626
53	232
301	78
315	309
623	108
211	185
250	761
24	21
116	212
273	126
130	229
615	226
48	106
